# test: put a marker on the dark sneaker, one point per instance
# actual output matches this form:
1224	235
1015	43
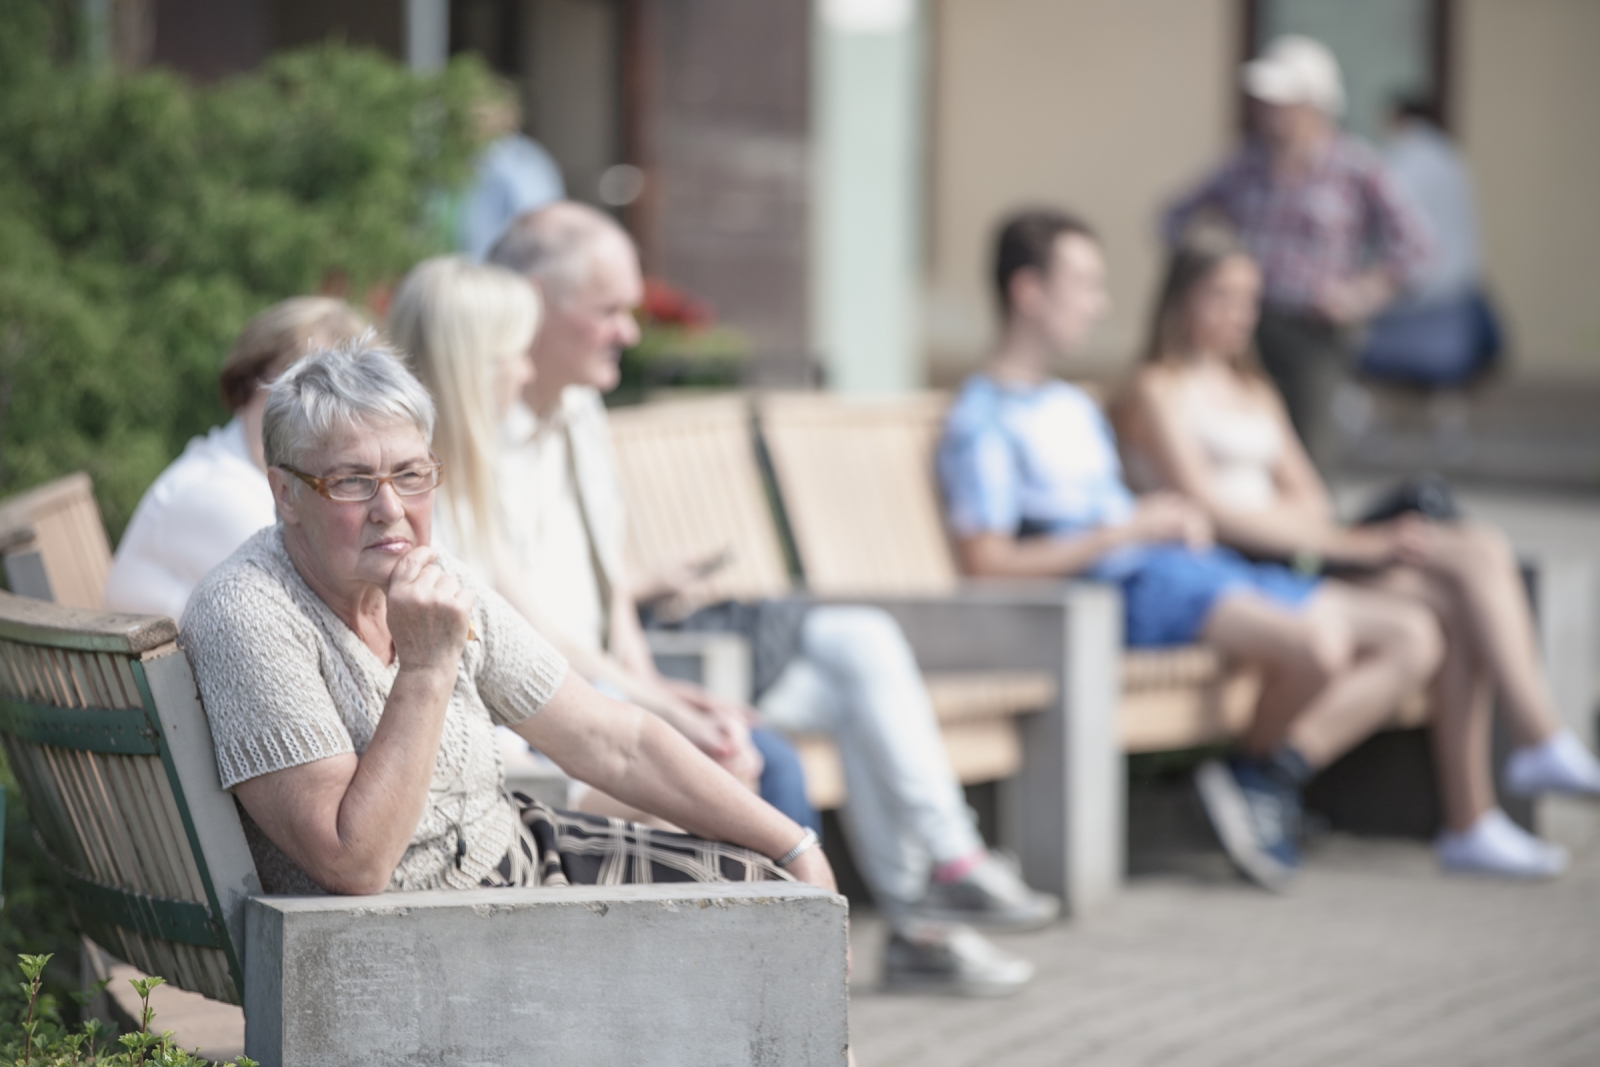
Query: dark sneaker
991	894
1256	818
954	961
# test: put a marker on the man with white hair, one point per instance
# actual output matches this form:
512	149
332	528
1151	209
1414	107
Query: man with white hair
1335	240
844	670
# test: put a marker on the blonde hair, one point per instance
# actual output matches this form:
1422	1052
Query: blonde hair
278	336
458	320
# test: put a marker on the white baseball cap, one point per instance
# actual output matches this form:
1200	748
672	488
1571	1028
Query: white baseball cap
1296	70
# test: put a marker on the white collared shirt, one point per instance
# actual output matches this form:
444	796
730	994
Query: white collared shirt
546	532
204	506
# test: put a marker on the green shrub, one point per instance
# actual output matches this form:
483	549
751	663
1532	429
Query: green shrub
143	219
33	1035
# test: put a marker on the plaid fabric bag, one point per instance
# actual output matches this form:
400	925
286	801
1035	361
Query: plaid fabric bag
558	848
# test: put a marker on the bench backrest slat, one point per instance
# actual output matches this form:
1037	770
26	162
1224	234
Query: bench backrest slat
858	487
693	488
104	731
68	542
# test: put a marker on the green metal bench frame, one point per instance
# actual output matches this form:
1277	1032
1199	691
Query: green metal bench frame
103	729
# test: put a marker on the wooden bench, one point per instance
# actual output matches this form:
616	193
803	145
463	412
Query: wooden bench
857	481
54	543
102	726
995	660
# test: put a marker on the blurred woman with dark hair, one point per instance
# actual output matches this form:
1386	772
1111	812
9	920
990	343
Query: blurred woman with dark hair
1204	421
215	495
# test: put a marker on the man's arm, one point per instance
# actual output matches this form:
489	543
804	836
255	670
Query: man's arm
1159	517
1403	247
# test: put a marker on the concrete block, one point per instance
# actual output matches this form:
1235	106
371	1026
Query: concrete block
692	975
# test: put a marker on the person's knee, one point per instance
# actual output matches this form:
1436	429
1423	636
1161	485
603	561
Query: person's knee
1326	643
856	634
1417	642
1478	549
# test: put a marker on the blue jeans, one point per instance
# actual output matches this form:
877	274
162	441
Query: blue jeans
783	782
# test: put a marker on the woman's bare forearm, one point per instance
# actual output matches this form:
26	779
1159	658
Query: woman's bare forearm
633	756
386	798
346	820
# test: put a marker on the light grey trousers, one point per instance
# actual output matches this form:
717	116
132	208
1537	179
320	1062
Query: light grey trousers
857	680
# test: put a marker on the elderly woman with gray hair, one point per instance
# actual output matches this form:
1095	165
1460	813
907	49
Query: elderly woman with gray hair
353	676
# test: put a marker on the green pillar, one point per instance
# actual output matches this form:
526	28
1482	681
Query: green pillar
867	120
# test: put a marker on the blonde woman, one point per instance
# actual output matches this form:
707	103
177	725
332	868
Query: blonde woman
1204	421
468	329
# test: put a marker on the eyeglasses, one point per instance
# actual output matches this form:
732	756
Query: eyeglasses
356	488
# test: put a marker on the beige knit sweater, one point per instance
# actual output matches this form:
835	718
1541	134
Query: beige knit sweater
286	682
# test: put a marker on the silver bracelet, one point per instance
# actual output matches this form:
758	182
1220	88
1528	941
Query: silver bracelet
807	840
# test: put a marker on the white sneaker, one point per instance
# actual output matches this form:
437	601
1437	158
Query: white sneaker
1559	764
991	894
954	960
1495	845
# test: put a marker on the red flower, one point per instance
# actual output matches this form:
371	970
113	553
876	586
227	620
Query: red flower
668	305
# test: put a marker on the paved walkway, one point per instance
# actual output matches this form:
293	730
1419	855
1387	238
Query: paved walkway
1374	959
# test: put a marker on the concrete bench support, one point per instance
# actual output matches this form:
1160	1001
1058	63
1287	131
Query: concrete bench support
697	975
1064	814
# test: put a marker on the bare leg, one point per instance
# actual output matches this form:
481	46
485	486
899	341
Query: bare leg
1372	649
1478	564
1460	696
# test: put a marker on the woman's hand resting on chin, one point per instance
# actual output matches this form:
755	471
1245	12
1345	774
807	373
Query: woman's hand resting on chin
429	613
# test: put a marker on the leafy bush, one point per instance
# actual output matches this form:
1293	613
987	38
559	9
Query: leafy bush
32	1034
143	219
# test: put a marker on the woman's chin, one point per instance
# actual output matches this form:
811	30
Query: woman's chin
377	567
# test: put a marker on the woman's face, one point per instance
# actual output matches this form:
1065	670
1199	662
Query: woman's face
1223	307
358	543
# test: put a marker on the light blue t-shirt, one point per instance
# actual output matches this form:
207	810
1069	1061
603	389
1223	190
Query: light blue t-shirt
514	174
1033	460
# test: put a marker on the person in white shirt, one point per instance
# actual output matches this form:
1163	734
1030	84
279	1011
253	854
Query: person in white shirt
215	495
846	670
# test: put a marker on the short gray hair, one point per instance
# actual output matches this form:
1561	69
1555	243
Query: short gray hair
360	381
554	245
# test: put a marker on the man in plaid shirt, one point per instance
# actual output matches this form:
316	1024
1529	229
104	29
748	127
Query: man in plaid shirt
1335	238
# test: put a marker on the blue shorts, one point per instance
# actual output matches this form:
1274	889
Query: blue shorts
1170	591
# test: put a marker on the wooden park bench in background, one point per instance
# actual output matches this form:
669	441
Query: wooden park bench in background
103	729
858	485
854	482
857	482
998	662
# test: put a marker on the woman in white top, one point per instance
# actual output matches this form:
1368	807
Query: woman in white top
215	495
1203	420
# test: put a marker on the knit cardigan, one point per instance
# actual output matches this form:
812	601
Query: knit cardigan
285	682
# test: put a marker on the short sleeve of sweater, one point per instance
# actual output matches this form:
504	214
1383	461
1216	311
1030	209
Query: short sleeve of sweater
517	671
257	660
